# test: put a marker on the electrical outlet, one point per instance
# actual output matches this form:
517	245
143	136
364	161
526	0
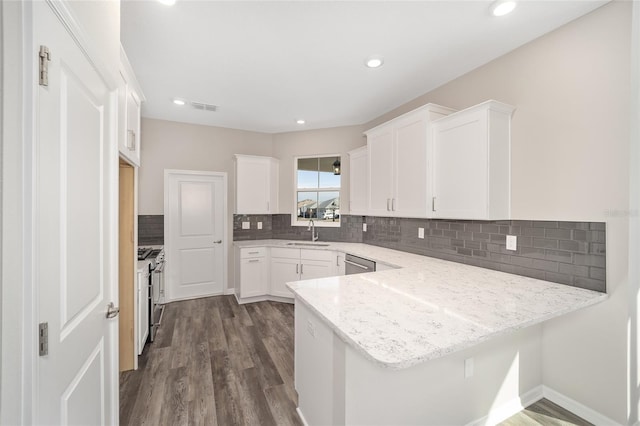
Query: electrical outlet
311	328
421	233
246	225
364	227
259	225
468	368
512	242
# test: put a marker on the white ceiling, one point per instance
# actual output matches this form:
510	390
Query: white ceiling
266	64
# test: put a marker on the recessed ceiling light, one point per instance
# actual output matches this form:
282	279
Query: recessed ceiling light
502	7
300	121
179	102
167	2
374	62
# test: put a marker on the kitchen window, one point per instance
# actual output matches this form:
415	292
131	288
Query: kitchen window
317	191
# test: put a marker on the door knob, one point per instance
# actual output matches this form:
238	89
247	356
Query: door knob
112	311
217	242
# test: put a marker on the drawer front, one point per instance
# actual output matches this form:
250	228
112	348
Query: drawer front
324	255
285	253
247	253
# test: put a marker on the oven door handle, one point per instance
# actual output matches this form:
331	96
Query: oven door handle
356	264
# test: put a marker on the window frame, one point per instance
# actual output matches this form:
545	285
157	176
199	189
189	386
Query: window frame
294	211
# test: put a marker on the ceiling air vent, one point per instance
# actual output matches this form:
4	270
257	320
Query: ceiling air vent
204	107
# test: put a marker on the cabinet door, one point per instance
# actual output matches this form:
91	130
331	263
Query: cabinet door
253	177
143	310
410	165
133	127
358	167
283	271
310	269
253	277
460	166
380	144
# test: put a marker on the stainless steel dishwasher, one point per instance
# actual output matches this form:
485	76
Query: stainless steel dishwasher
358	265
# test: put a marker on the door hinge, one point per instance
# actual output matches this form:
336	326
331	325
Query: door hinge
45	57
43	338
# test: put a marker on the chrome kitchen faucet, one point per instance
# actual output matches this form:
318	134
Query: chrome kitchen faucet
312	228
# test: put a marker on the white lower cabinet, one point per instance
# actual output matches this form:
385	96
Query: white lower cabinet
252	272
261	272
298	264
283	270
143	309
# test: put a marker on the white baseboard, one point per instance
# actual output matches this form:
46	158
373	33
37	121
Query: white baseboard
230	291
304	421
577	408
514	406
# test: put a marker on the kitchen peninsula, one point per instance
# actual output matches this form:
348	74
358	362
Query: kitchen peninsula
433	342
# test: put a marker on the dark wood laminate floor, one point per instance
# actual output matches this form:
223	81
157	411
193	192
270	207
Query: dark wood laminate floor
545	413
215	362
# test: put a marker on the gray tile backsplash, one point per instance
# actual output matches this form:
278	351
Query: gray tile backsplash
279	226
572	253
150	230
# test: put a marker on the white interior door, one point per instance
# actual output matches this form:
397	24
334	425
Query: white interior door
74	158
195	214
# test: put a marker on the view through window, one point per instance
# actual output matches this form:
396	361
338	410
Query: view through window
318	189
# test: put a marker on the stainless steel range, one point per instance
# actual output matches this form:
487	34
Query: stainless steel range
156	286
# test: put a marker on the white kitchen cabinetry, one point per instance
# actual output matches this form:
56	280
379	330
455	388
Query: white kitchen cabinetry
471	163
358	166
288	264
252	276
256	184
143	309
399	164
130	98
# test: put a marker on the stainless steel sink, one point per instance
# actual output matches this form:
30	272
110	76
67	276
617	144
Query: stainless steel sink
309	244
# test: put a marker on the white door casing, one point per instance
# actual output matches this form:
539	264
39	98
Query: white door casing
74	166
195	233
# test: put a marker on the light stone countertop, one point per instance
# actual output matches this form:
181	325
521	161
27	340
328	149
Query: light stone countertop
429	307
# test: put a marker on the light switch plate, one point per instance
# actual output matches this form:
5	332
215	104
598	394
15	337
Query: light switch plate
512	242
259	225
246	225
421	233
364	227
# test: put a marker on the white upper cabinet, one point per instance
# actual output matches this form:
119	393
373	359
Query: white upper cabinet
130	99
358	166
471	163
398	164
256	184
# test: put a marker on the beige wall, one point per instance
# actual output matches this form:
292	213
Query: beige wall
570	146
172	145
338	140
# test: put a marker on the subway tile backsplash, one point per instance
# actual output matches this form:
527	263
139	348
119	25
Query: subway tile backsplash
571	253
150	230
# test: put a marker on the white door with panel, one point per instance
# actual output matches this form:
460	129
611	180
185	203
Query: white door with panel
409	162
380	172
472	163
195	212
284	270
75	226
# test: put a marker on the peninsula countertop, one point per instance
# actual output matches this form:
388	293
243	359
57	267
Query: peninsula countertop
428	307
